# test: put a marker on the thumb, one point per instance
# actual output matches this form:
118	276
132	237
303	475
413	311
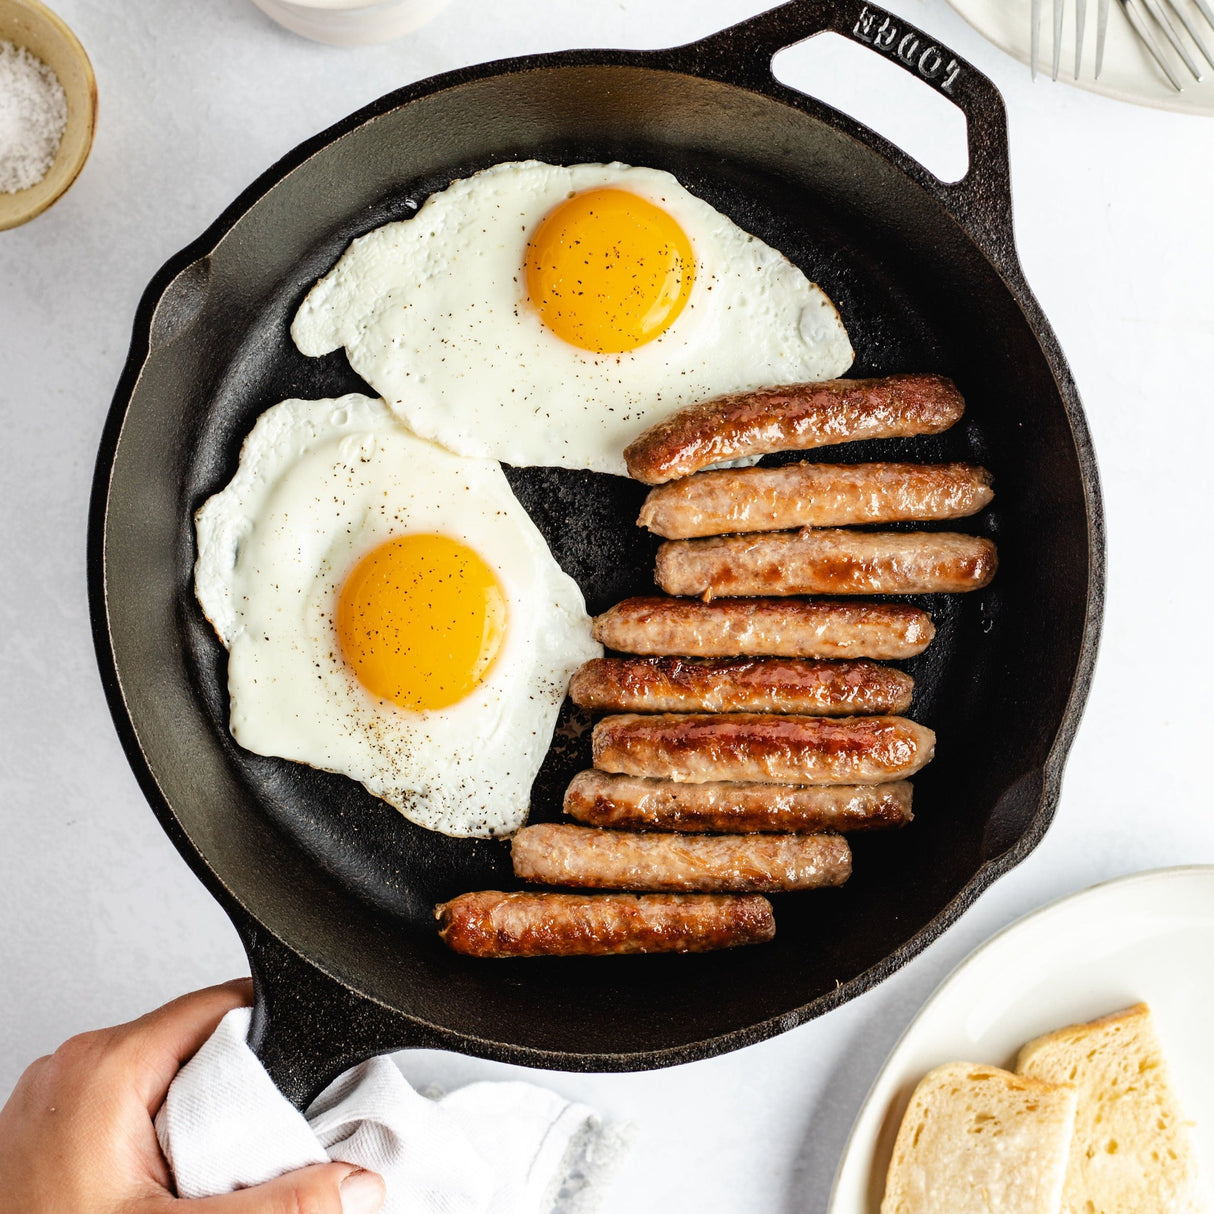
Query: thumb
324	1188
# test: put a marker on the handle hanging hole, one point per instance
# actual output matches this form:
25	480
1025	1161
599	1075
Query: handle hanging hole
870	88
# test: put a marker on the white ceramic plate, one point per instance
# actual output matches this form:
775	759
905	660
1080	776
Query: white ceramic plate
1149	937
1129	74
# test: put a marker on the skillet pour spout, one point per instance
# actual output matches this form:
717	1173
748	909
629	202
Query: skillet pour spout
331	891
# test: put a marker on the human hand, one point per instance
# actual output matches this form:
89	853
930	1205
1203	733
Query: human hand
76	1136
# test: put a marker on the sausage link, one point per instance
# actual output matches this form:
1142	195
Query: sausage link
827	562
673	684
696	749
635	803
792	418
813	495
490	923
554	854
793	628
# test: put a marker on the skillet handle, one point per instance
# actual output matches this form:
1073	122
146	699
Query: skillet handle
307	1027
982	200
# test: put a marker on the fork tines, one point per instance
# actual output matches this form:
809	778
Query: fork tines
1147	18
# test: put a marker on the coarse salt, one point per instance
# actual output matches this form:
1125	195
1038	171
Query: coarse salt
33	114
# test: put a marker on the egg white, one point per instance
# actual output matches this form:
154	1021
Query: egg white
433	313
320	484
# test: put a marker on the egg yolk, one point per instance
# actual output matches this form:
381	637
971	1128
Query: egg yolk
609	271
420	620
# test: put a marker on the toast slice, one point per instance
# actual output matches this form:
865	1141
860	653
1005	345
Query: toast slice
1132	1151
978	1140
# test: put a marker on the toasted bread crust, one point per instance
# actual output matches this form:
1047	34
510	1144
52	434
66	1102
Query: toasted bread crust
979	1138
1131	1151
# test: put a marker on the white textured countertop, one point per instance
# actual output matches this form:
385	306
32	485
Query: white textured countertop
99	917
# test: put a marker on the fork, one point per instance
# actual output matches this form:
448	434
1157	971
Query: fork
1144	17
1102	22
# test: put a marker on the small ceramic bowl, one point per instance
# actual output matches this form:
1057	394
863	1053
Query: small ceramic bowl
32	25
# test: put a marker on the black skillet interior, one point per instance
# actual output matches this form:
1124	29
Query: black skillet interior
311	866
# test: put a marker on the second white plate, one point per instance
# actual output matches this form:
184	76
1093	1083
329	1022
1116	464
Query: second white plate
1148	937
1130	74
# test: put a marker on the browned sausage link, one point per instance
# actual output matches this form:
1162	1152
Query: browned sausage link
794	628
552	854
696	748
813	495
495	924
635	803
792	418
672	684
827	562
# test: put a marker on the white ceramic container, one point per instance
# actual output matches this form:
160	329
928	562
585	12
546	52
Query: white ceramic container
351	22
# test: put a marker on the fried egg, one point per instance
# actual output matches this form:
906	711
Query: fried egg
390	612
540	314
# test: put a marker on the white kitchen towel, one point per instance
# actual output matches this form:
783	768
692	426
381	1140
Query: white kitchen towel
488	1148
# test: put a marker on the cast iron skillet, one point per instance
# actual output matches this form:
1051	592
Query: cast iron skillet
330	890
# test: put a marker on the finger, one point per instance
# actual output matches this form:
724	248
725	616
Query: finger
166	1038
325	1188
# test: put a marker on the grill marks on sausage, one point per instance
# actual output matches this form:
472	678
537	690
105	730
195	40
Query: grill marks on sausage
755	627
813	495
492	923
793	418
641	803
751	747
827	562
781	685
582	856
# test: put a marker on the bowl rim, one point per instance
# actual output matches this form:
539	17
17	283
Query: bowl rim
55	183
